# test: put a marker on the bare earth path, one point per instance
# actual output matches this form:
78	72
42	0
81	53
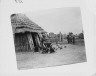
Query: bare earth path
69	55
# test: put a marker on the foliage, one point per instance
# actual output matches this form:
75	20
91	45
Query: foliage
81	36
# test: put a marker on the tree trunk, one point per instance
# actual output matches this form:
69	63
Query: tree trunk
30	40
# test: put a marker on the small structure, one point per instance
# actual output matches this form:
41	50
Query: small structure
26	33
52	37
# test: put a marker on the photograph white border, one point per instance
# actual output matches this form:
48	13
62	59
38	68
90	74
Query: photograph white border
8	58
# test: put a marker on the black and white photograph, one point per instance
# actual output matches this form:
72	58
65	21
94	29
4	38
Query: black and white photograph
48	38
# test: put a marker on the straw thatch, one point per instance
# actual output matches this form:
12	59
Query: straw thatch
21	23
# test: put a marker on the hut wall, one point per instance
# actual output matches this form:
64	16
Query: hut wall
21	42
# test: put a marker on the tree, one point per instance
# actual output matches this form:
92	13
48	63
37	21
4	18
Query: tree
81	36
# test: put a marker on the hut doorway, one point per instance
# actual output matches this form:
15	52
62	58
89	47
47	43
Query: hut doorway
36	41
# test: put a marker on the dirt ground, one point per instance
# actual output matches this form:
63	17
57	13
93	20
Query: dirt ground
69	55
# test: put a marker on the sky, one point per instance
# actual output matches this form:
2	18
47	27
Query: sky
67	19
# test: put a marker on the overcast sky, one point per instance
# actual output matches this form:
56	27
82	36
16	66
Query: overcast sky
67	19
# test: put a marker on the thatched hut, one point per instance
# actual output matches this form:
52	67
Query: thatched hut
26	32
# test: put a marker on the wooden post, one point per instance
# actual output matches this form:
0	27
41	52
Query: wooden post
30	40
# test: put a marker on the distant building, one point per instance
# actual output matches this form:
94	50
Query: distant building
56	37
52	35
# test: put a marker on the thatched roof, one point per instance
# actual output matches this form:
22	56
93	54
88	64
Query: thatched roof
21	23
